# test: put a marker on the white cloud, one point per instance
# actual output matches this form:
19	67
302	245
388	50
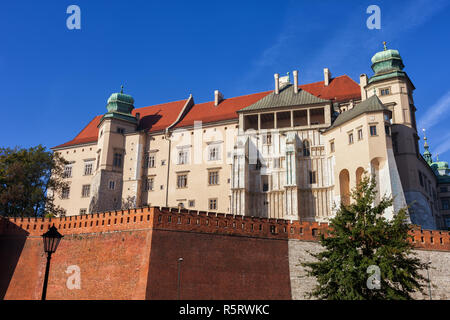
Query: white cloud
435	113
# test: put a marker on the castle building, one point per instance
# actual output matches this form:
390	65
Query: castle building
294	152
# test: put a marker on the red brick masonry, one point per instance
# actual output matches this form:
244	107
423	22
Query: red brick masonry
133	254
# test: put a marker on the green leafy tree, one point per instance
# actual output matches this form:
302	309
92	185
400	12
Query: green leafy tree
360	241
29	181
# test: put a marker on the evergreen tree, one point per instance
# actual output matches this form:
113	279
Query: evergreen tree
26	177
360	237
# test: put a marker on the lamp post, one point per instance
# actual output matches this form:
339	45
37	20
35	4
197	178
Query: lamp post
179	277
51	241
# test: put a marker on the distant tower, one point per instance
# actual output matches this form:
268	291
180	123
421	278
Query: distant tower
427	154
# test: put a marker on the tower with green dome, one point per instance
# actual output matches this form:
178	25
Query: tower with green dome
394	88
114	125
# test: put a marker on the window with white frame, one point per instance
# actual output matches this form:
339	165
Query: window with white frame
67	171
350	138
148	184
182	157
267	138
214	153
86	190
149	160
83	211
88	166
212	204
182	181
213	177
65	193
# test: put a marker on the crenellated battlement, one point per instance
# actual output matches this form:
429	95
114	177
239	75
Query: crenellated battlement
174	219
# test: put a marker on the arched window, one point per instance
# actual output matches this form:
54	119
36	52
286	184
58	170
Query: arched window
306	148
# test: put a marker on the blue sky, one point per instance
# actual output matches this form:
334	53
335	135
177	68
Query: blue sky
53	80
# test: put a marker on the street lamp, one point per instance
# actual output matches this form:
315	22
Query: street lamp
51	241
179	277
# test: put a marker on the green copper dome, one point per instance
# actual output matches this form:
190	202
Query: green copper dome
386	64
120	106
120	102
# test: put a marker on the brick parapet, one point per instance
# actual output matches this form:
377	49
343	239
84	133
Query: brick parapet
196	221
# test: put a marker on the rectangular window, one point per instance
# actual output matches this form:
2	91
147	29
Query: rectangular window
120	130
317	116
191	203
265	183
182	157
112	185
182	181
68	171
149	161
385	91
149	184
300	118
86	190
332	146
212	204
65	193
83	211
267	138
251	122
373	130
214	153
312	177
98	159
117	161
213	177
283	119
267	120
350	138
88	168
443	189
387	129
360	134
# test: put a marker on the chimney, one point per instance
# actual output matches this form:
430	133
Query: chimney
295	73
277	83
218	97
326	76
362	85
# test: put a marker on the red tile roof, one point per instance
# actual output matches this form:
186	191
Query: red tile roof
341	88
226	110
153	118
159	117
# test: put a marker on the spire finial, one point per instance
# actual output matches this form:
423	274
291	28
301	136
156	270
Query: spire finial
121	89
384	44
425	145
